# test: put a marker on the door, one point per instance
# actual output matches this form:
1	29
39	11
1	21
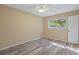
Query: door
73	29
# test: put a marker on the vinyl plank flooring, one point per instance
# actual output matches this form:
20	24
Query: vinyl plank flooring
43	47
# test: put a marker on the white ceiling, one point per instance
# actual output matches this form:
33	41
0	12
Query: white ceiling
52	8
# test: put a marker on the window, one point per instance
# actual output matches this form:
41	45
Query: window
57	23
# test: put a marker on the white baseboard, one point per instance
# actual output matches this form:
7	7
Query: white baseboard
19	44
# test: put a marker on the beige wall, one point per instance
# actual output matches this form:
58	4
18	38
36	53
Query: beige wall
17	26
57	34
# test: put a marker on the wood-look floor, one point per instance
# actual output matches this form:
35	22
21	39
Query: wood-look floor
43	47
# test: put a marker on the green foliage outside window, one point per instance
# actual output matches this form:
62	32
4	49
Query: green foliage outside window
57	23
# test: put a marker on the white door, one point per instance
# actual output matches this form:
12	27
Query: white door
73	29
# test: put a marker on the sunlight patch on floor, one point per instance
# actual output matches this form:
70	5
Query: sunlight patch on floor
69	48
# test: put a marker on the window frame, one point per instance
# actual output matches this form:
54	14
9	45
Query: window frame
65	27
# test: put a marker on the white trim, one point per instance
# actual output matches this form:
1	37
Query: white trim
59	28
19	44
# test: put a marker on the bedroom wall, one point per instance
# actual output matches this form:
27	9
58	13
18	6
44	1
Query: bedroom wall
57	34
17	26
